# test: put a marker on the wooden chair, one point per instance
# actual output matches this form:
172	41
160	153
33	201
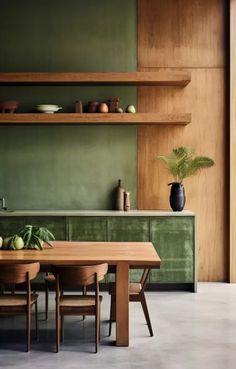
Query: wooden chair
19	303
136	294
49	279
74	276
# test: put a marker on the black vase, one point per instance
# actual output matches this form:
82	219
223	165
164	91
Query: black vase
177	196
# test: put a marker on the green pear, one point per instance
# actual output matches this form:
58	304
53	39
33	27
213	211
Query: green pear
130	109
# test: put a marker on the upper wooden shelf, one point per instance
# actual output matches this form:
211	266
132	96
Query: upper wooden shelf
86	118
159	78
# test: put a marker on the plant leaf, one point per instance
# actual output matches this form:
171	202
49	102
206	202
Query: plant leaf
34	236
182	164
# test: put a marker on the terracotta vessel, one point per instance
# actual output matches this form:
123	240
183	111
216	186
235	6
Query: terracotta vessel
8	106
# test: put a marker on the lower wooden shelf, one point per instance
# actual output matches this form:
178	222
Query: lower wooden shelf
96	118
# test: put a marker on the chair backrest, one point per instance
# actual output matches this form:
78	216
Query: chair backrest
144	279
80	275
18	273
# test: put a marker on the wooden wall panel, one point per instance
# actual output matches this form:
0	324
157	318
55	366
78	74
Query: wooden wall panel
232	141
181	33
204	97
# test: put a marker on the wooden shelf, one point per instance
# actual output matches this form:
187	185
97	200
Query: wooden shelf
159	78
86	118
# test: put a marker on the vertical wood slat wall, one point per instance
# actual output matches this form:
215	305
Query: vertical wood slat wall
187	34
232	140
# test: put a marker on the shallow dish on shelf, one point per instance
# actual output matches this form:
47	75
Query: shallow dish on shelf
47	108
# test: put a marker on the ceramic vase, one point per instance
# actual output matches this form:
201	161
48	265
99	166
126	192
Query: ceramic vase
177	196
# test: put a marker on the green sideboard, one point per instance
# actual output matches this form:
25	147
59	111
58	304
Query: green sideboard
173	235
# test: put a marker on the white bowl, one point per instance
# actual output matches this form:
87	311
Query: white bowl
47	108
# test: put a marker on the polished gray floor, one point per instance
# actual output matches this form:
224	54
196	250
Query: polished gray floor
191	331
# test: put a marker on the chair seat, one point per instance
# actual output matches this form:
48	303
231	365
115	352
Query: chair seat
134	288
17	300
50	278
78	301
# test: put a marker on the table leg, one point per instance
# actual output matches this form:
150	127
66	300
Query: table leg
122	304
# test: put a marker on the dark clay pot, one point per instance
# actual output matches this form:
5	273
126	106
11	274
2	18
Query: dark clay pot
177	196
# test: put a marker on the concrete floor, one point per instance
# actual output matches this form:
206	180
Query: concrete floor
191	331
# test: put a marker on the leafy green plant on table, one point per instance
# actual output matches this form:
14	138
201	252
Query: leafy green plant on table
29	237
34	237
14	242
182	163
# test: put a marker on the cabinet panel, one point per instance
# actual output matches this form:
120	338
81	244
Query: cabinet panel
173	239
10	225
129	229
56	225
87	228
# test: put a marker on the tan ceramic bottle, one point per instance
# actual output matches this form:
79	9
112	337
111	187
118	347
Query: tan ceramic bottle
127	201
119	200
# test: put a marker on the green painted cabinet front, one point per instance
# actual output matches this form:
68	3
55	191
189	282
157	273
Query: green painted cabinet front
11	225
56	225
173	238
87	228
128	229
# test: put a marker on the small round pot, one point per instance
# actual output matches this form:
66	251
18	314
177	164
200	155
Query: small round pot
93	106
177	196
103	108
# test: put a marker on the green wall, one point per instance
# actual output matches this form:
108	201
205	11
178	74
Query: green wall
66	166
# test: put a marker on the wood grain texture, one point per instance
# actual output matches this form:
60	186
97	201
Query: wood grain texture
120	254
157	78
89	118
206	192
86	253
181	33
232	141
122	310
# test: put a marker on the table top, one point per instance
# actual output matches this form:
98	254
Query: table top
76	252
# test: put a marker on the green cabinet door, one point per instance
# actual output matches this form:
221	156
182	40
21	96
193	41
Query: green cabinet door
56	225
129	229
87	228
10	225
173	238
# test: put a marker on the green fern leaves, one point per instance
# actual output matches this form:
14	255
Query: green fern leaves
182	163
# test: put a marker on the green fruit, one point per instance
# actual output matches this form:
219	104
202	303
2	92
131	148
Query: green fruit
130	109
119	110
14	242
18	243
6	242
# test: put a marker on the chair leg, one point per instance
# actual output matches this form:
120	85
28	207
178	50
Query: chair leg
97	324
46	300
146	314
62	328
57	330
112	313
99	327
84	294
28	329
36	320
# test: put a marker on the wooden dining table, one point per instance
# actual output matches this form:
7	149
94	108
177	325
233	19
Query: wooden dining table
121	255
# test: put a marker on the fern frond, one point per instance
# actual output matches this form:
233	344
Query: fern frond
182	164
